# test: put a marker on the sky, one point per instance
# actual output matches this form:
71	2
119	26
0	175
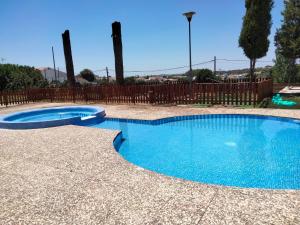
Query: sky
154	33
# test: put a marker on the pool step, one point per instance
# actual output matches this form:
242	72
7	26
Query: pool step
87	118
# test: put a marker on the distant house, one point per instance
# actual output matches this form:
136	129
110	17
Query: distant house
49	74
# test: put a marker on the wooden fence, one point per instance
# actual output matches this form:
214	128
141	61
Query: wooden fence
243	93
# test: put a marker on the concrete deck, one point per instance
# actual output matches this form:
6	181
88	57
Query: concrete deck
73	175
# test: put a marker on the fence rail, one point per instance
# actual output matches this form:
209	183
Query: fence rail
243	93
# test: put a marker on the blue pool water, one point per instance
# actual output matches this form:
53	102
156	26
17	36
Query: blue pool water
51	116
233	150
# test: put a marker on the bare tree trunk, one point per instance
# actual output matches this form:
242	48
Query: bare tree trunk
68	58
117	42
252	69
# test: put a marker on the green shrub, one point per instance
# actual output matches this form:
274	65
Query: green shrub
16	77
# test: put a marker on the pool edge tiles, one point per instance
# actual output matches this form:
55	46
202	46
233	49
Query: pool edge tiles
202	116
9	121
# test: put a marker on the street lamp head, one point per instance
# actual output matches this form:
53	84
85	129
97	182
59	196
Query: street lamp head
189	15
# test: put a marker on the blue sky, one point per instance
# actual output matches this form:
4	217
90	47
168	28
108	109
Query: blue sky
155	34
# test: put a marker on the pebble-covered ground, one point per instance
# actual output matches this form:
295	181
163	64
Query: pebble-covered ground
73	175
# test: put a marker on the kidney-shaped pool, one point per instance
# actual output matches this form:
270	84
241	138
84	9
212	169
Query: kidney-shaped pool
54	116
234	150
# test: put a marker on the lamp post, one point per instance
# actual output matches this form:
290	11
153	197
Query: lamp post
189	16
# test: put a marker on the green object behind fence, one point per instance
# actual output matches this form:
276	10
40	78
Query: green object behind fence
278	101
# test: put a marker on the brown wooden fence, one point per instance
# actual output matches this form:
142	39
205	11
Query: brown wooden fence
243	93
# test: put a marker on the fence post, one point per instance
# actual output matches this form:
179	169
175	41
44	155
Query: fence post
259	91
271	87
151	96
51	94
105	94
73	94
85	93
132	91
5	99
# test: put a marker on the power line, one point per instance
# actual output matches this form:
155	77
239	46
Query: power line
166	69
201	63
179	67
157	70
242	60
100	70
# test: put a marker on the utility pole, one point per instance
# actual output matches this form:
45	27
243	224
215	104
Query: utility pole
107	76
58	73
53	58
215	65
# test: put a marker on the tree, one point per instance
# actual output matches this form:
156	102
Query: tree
15	77
281	71
265	72
287	38
87	75
201	75
3	81
129	80
255	30
204	75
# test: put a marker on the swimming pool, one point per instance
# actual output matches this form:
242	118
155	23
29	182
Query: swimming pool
50	117
234	150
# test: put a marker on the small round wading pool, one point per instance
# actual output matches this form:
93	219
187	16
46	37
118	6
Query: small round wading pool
233	150
52	117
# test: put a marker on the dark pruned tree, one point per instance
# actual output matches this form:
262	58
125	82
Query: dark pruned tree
118	51
88	75
204	76
68	58
255	30
287	38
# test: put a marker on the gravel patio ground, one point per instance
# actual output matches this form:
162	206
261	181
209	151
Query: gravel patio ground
73	175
